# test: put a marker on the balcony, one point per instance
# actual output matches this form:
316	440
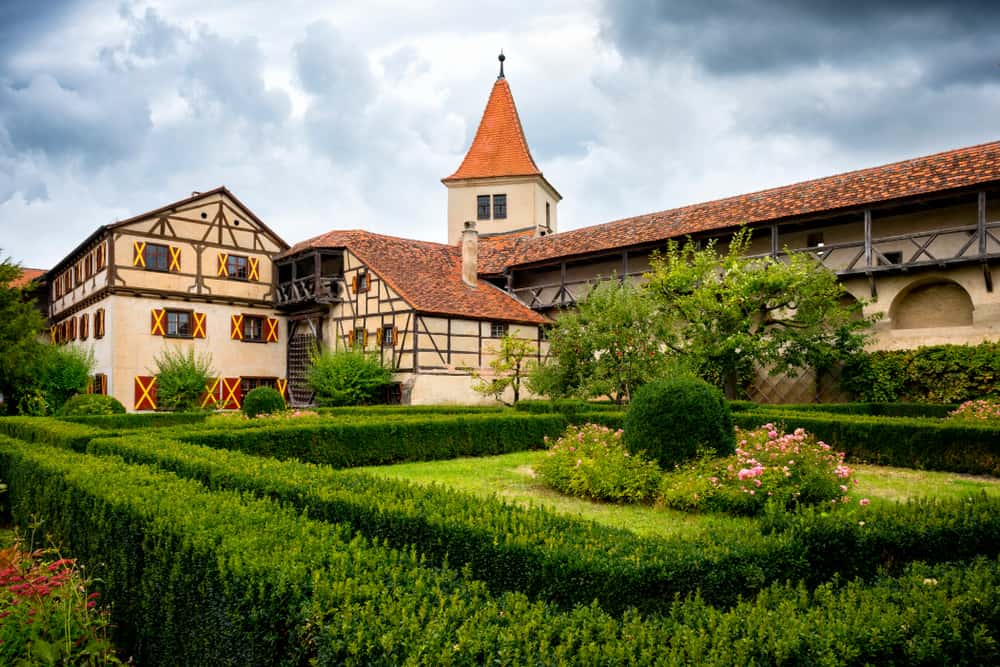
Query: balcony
310	278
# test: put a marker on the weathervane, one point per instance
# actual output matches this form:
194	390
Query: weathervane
501	59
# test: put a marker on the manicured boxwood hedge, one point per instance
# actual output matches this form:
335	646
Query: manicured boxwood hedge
49	430
935	411
410	410
140	420
573	562
895	441
566	406
199	577
375	442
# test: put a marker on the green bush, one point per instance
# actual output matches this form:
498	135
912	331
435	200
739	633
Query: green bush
936	411
181	378
347	377
199	577
673	419
788	470
590	461
928	444
566	406
978	411
263	401
91	404
346	444
50	431
931	374
141	420
62	372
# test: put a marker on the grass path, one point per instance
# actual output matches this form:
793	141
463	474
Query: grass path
510	476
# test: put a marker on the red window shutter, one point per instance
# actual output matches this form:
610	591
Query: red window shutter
232	396
271	334
100	257
236	327
395	333
350	338
378	336
84	326
253	268
175	258
139	254
199	325
104	384
282	387
99	323
213	394
158	322
223	269
145	392
364	339
354	283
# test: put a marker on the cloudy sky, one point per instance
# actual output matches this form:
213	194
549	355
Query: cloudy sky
323	115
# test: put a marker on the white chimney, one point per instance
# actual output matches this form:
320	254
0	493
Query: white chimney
470	254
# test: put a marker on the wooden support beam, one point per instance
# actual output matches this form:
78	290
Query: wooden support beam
868	238
774	241
317	262
988	277
624	264
981	224
562	283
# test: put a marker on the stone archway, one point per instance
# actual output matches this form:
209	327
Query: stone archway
932	303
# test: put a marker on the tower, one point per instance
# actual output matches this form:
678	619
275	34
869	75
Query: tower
498	183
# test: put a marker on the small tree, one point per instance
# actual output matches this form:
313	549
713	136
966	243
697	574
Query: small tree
346	377
608	347
181	378
62	372
509	369
20	326
729	313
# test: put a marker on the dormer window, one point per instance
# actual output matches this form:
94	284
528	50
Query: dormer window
499	207
483	206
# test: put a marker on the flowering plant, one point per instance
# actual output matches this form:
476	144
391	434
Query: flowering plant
46	615
590	461
987	410
787	469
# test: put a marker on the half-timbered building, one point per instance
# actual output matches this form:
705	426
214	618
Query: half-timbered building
192	275
918	240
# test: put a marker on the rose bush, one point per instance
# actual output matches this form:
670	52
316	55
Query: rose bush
984	410
591	461
787	469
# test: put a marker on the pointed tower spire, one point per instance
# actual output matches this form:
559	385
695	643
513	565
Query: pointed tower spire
498	183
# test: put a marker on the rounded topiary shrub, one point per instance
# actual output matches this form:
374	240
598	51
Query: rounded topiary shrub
672	419
263	401
91	404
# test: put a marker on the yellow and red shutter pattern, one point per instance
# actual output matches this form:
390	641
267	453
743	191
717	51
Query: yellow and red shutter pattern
271	330
213	393
232	395
145	392
158	322
236	327
53	334
281	384
253	268
175	258
198	328
139	254
223	268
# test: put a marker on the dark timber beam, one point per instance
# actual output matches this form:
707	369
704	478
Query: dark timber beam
774	241
981	224
868	238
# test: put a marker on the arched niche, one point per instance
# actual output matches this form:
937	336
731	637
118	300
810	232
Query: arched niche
932	303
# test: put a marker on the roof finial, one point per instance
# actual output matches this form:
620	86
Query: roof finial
501	59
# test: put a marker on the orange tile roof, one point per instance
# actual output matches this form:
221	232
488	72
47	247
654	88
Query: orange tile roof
499	148
27	275
950	170
426	275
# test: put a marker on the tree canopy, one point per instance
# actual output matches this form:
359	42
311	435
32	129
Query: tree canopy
20	327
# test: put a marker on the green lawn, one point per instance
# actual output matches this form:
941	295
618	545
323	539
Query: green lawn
510	476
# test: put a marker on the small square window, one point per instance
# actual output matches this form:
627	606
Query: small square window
499	207
360	337
483	207
156	257
253	329
364	281
179	323
388	335
236	267
498	329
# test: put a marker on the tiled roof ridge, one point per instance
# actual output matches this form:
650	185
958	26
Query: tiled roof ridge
486	156
828	193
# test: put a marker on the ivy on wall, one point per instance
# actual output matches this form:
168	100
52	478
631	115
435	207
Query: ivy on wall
932	374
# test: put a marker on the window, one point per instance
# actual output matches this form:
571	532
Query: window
815	240
99	323
179	323
388	335
84	326
253	328
499	207
88	266
362	281
236	267
892	257
394	393
156	257
99	385
359	337
483	207
498	329
548	216
249	384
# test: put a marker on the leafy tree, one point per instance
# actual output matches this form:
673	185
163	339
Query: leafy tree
346	377
608	346
181	378
728	313
509	368
61	372
20	326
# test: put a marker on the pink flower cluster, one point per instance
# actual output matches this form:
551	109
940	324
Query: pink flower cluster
980	410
